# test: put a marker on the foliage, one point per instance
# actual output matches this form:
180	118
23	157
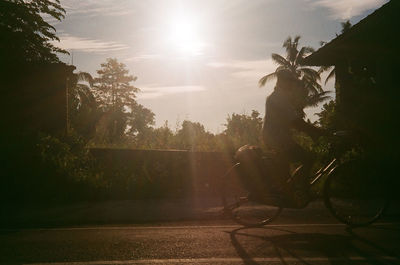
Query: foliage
68	156
104	111
292	62
328	116
346	146
140	131
240	129
26	35
113	87
312	92
111	127
140	120
244	129
193	136
159	138
122	115
47	169
83	109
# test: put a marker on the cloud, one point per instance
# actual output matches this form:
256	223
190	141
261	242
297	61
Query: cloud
158	91
51	20
346	9
142	57
69	42
247	70
97	7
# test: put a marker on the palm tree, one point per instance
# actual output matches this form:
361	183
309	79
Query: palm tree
83	109
80	93
309	77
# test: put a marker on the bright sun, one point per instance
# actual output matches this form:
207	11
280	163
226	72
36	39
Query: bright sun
184	37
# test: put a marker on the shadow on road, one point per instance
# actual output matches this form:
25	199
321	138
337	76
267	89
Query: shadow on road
337	249
374	245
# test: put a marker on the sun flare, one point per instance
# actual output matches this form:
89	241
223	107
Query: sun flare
184	37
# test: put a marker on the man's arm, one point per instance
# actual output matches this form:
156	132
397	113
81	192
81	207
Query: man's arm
312	131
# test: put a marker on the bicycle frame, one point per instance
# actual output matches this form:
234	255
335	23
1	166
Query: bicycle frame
324	171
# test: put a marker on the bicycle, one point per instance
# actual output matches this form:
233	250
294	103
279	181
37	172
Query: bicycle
355	198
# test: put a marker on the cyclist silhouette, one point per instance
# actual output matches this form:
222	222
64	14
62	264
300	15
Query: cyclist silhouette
283	115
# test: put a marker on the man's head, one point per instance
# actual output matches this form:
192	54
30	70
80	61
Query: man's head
292	86
286	80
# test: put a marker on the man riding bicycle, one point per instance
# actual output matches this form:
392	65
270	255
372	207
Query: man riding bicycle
355	189
283	115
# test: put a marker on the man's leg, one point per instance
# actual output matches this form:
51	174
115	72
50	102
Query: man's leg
251	169
299	181
298	154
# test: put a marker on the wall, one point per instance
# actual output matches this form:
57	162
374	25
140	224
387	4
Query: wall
161	173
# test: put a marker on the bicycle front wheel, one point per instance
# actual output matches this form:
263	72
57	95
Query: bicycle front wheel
241	206
355	196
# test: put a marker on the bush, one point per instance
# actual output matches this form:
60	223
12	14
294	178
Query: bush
46	169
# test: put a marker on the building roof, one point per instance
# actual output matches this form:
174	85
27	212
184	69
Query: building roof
373	36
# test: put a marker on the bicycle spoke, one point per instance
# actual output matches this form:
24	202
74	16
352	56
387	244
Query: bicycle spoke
242	208
355	199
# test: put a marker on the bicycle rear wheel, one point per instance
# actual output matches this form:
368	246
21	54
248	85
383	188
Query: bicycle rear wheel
242	207
355	196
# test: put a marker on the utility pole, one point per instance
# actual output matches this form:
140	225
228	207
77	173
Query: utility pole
67	129
67	106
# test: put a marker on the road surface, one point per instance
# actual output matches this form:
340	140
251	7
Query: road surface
205	242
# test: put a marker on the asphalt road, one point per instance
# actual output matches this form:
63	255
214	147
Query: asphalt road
205	242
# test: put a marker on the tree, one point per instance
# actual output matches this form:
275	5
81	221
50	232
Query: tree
115	95
26	36
193	136
292	62
162	137
113	85
313	93
140	121
328	116
30	68
243	129
83	109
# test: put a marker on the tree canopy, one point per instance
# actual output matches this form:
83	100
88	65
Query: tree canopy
26	35
312	92
292	62
113	85
244	129
83	108
122	117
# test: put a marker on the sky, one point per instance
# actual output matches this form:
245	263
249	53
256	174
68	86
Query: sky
199	59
